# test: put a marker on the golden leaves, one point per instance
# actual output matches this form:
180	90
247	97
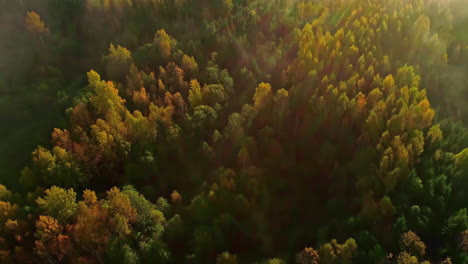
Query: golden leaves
34	23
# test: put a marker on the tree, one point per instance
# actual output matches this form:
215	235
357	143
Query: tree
227	5
213	94
226	258
105	101
263	96
9	211
308	256
118	62
121	208
281	101
58	203
176	197
234	129
34	23
461	160
386	207
446	261
57	166
189	65
141	98
203	115
5	194
405	258
458	222
243	158
412	244
50	240
129	255
36	26
435	134
91	231
163	41
195	94
149	220
334	253
463	240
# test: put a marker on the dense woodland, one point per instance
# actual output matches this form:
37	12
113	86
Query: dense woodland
234	131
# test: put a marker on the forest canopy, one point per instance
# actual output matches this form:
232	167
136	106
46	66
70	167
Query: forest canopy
234	131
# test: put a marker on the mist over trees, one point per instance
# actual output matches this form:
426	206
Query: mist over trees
234	131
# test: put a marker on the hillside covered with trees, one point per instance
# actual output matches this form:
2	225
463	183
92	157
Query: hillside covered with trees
234	131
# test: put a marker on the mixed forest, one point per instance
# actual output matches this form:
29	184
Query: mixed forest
234	131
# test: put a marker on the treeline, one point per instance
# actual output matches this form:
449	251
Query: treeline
234	131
